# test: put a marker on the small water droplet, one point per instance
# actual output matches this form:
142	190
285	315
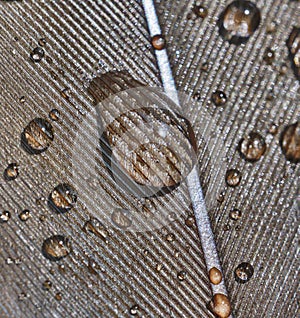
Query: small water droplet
18	261
11	172
66	93
293	44
269	56
54	114
9	261
56	247
42	42
170	237
243	273
235	214
24	215
233	177
58	296
22	99
220	306
37	136
239	21
219	98
271	27
47	284
273	129
62	198
121	218
134	310
158	42
215	276
92	266
182	275
252	147
37	54
290	142
159	267
204	67
190	221
200	11
96	227
221	197
22	296
5	216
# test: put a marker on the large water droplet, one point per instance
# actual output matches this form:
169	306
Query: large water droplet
243	272
252	147
37	136
62	198
293	44
290	142
56	247
239	21
219	98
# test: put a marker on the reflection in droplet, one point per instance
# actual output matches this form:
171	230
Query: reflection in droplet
11	172
252	147
37	136
121	218
233	177
239	21
290	142
94	226
219	98
56	247
37	54
243	273
5	216
62	198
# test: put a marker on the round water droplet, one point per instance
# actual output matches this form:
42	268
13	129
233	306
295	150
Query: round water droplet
58	296
22	99
233	177
121	218
200	11
56	247
170	237
269	56
290	142
235	214
134	310
37	54
182	275
158	42
47	284
5	216
219	98
215	276
37	136
11	172
42	42
62	198
24	215
239	21
220	306
54	114
252	147
243	273
273	129
190	221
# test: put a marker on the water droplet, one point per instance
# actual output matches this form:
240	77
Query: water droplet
47	284
220	306
252	147
219	98
159	267
243	273
22	296
215	276
22	99
96	227
37	54
204	67
62	198
239	21
293	44
271	27
37	136
273	129
11	172
158	42
54	114
9	261
290	142
235	214
134	310
58	296
92	266
18	261
121	218
200	11
56	247
190	221
42	42
269	56
233	177
66	93
5	216
221	197
170	237
24	215
182	275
